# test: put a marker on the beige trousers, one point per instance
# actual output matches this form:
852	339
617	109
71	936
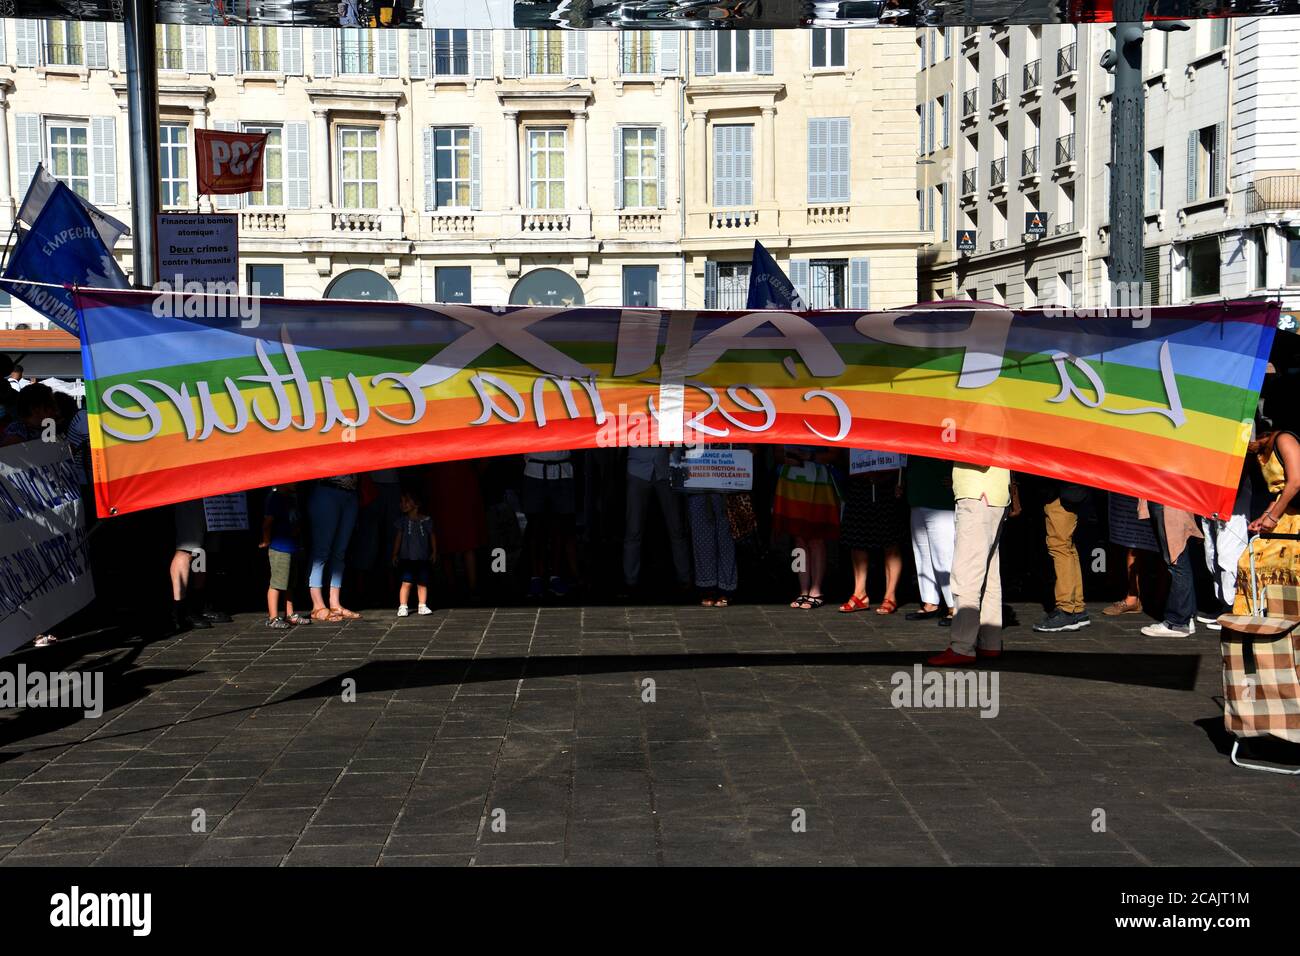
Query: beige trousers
976	578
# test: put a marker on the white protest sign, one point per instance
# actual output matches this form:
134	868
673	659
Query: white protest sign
44	572
862	460
226	512
198	247
718	469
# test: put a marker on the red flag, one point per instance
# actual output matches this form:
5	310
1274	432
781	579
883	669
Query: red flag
228	162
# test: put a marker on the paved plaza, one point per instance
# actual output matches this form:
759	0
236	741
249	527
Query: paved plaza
632	735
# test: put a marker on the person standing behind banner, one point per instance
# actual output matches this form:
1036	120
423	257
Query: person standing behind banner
806	506
459	518
714	547
1174	528
281	534
1277	561
1062	514
647	474
333	510
548	497
982	494
35	408
1225	542
875	517
928	485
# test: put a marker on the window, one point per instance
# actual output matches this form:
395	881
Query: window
1215	33
452	284
637	52
171	50
1031	292
1000	222
1155	52
640	166
69	154
947	42
356	52
174	164
1000	293
266	280
827	48
734	49
827	284
272	192
545	52
828	159
1155	179
547	287
941	199
1260	245
641	286
546	168
451	167
733	165
730	289
943	121
1151	276
1202	263
1065	289
1293	261
262	50
64	43
359	167
1205	163
361	284
451	52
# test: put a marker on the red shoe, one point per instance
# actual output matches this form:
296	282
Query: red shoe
984	654
950	658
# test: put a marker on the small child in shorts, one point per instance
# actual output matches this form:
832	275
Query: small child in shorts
414	551
280	537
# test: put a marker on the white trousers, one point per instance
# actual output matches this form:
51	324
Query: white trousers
933	536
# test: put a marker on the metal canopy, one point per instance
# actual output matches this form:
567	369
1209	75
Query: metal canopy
637	14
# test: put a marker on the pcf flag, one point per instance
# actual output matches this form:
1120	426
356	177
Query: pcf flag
228	163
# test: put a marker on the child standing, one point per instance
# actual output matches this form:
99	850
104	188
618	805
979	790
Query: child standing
414	551
280	534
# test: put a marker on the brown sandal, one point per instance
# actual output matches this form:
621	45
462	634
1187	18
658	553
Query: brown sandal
343	614
325	614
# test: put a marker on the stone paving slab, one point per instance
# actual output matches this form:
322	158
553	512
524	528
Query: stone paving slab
528	736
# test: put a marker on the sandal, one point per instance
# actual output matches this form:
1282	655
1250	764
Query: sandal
799	602
811	603
325	614
296	618
344	614
44	640
855	603
887	606
708	602
720	601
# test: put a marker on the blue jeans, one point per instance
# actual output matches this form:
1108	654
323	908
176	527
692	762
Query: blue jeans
1181	603
333	514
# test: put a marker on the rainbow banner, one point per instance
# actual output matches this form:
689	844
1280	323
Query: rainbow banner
194	394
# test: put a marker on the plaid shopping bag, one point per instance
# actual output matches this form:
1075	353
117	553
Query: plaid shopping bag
1261	668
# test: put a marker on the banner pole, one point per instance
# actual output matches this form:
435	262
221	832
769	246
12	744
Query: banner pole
142	120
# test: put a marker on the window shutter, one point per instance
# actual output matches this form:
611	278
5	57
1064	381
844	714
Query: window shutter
27	137
840	160
1153	186
476	166
291	51
930	129
297	171
512	66
722	171
705	44
103	160
859	283
121	48
661	154
618	167
944	124
227	51
575	54
799	278
710	285
226	201
4	50
419	55
96	39
322	51
670	52
27	42
1192	143
386	55
428	168
762	51
481	44
745	164
816	160
195	44
1220	159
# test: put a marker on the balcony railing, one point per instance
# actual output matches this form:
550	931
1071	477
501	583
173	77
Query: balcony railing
451	222
1029	161
969	180
1032	75
356	61
65	54
998	172
825	215
262	61
171	58
545	61
1065	149
638	62
640	222
1063	227
450	63
1273	192
970	101
995	244
254	220
356	222
999	89
1065	59
546	222
733	218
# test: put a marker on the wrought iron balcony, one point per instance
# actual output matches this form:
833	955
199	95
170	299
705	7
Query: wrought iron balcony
1031	77
998	172
970	101
261	61
1029	161
1065	59
969	180
999	89
171	58
1065	149
1273	192
65	54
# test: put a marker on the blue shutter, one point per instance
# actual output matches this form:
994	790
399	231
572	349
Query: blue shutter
419	54
481	47
476	167
4	50
799	277
515	47
429	197
670	52
27	42
322	51
386	55
96	40
661	165
1192	143
859	283
710	285
705	44
745	165
227	51
816	160
1220	156
297	170
28	147
194	47
103	159
763	51
618	167
575	54
838	159
290	51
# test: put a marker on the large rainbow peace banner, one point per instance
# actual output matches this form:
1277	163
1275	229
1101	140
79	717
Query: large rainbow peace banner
193	395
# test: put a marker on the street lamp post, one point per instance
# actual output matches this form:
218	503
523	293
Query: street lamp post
142	122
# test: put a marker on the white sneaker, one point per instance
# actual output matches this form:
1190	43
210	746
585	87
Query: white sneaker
403	611
1164	630
424	609
1211	622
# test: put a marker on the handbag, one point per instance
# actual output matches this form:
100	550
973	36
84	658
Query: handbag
740	515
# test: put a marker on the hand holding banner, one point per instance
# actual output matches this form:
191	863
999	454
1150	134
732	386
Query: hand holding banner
228	163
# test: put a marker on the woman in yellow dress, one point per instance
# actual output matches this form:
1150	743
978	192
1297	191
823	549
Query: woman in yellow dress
1276	561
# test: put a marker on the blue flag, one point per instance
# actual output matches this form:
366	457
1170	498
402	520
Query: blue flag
768	286
63	246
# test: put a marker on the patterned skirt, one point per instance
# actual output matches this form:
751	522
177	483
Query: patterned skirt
1276	562
873	516
806	504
